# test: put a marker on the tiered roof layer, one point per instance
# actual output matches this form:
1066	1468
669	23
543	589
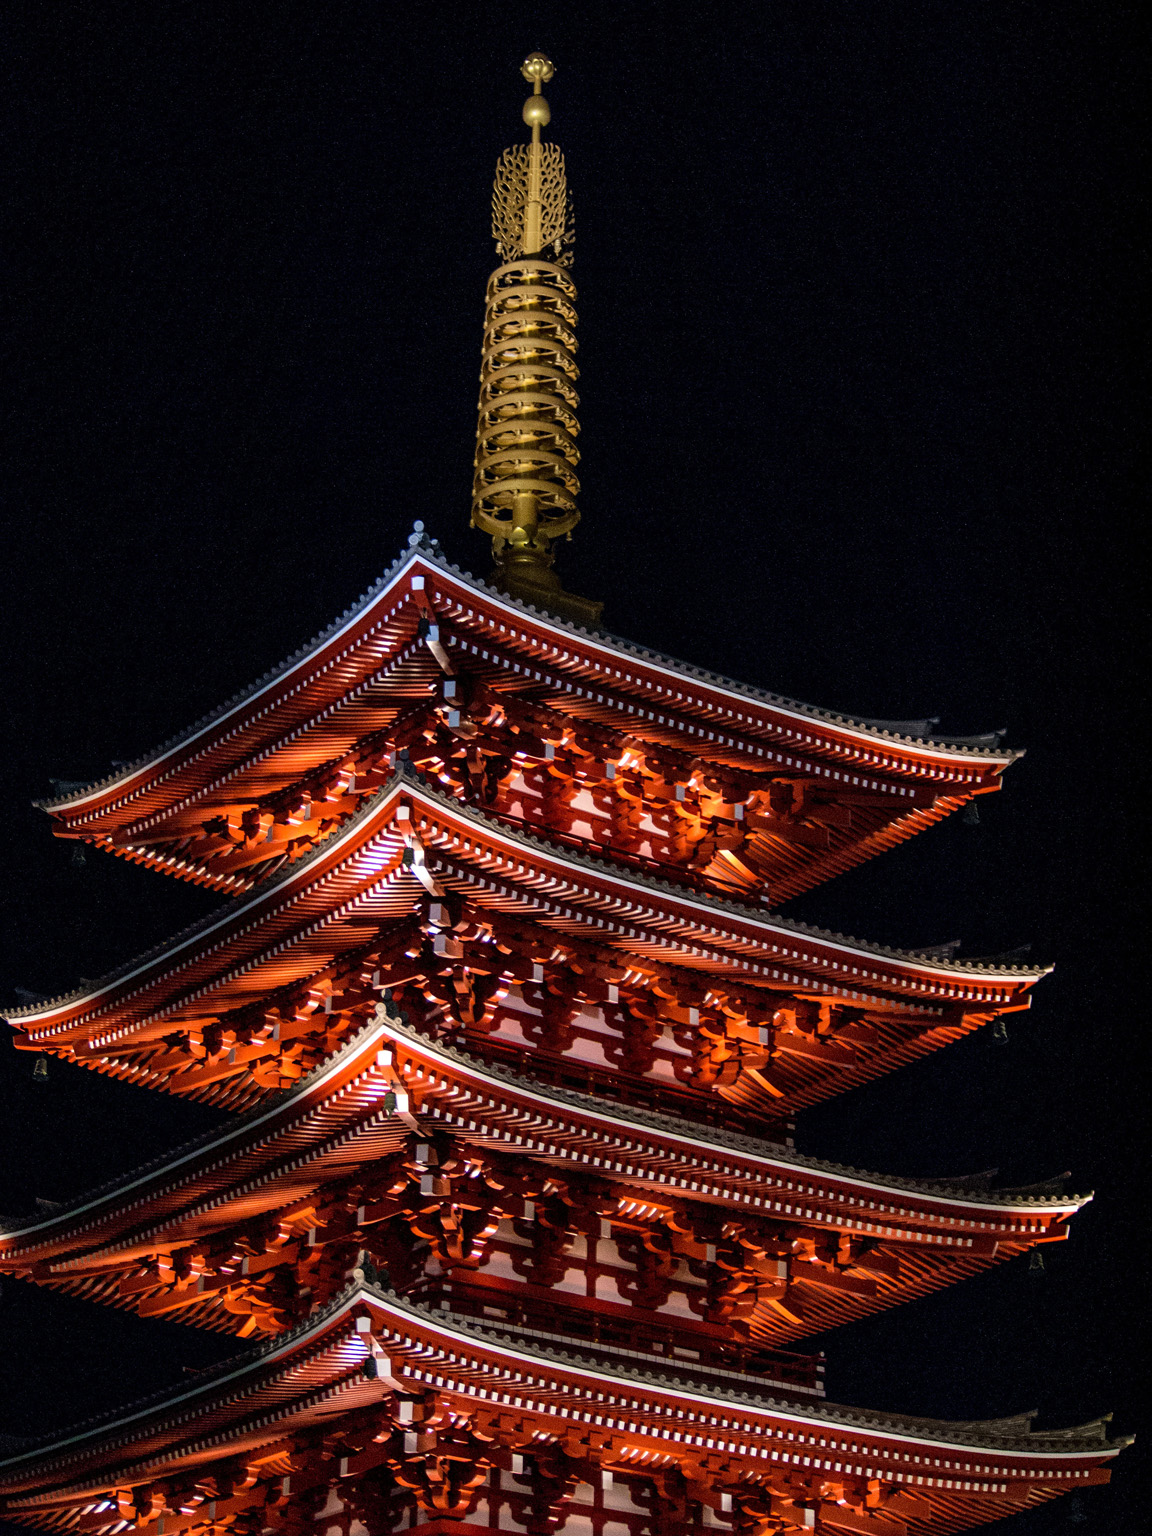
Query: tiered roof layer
375	1384
773	796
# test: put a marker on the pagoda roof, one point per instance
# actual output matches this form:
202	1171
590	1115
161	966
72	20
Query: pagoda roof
335	1121
338	896
928	971
533	1385
258	1126
354	678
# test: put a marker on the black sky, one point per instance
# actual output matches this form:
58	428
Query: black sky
862	405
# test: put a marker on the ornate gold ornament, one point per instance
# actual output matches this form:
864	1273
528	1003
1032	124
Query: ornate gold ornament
525	486
518	200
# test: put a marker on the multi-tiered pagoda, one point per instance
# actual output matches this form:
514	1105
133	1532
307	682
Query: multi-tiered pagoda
511	1034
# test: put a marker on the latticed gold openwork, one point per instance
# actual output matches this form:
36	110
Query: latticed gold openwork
510	197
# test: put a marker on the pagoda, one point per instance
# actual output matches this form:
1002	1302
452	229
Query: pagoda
510	1031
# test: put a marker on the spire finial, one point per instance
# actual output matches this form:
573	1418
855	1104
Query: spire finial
530	207
525	486
537	69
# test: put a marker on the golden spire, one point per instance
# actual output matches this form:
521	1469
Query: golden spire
525	485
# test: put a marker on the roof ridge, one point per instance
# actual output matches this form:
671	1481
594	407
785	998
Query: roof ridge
941	1429
424	546
203	1380
202	924
689	669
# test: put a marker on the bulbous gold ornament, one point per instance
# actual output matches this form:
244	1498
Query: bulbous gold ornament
537	112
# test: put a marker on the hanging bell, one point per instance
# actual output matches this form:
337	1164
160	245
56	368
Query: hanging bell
40	1070
78	859
1000	1031
972	816
1036	1262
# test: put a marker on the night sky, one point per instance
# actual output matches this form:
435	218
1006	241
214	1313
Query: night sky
861	418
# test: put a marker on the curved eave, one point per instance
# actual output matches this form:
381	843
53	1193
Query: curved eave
631	884
353	1078
926	981
305	1376
762	1161
243	916
455	1092
347	657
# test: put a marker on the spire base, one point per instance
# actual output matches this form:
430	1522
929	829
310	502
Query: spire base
541	587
